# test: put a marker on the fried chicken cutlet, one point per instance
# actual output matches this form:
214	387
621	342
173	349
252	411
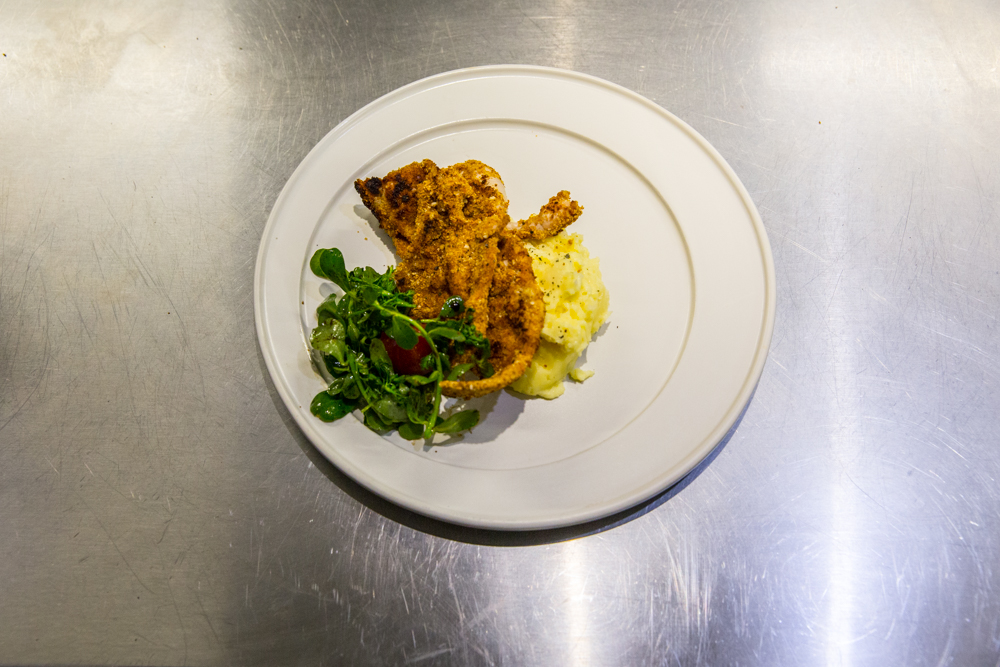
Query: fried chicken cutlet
558	214
454	238
444	226
447	226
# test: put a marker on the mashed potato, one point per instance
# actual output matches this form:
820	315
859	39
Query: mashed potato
576	305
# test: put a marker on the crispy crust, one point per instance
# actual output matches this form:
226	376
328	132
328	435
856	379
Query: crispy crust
559	213
517	312
449	229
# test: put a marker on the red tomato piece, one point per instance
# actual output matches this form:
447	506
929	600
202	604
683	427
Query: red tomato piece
406	362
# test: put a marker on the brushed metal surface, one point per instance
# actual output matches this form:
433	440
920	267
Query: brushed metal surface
157	505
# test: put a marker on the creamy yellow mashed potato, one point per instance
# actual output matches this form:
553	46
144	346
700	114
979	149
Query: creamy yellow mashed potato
576	305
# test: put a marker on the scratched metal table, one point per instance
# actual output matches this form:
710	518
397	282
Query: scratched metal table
158	506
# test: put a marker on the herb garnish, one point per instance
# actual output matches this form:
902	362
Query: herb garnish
349	337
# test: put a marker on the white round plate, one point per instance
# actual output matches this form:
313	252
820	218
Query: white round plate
683	254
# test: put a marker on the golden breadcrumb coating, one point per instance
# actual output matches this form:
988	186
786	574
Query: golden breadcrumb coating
558	214
449	229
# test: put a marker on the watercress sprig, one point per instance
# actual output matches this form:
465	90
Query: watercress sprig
352	336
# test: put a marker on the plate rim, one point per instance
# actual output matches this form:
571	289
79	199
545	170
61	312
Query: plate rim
626	499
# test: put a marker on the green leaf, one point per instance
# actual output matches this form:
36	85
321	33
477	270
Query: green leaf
420	380
374	422
337	329
420	406
314	264
390	409
369	294
411	431
345	307
350	388
427	362
335	367
329	408
403	334
458	371
379	356
446	332
460	421
336	386
327	309
338	350
353	332
328	339
331	265
359	362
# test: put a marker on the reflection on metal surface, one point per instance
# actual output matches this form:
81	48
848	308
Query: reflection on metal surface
841	580
843	574
578	602
565	34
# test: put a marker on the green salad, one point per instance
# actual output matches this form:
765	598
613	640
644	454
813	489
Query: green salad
385	363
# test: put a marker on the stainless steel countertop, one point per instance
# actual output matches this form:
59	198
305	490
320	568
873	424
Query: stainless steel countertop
158	506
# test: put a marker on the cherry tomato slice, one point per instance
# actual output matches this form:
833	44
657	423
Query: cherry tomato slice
406	362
